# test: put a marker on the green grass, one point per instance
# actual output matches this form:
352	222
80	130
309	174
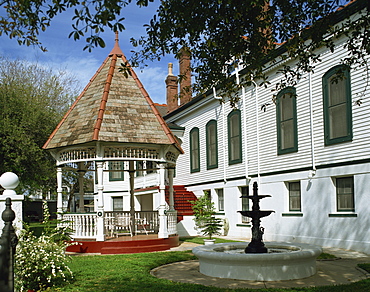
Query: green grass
38	227
131	272
326	256
199	240
365	267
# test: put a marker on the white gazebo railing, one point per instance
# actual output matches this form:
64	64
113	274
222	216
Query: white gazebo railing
171	222
145	221
83	225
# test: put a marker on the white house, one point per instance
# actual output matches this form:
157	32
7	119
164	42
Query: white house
308	148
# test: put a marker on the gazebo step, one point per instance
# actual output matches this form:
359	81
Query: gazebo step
136	244
133	249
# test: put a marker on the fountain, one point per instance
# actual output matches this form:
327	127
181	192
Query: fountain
258	261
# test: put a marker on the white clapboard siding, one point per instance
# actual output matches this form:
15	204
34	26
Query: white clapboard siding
199	114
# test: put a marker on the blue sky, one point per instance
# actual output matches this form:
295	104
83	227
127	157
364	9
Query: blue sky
66	54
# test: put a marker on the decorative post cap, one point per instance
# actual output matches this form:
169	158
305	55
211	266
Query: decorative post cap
9	181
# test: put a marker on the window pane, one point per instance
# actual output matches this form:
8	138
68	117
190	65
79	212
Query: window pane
287	134
116	175
194	148
220	194
286	106
294	196
286	121
345	194
337	90
338	121
234	137
212	144
245	203
117	203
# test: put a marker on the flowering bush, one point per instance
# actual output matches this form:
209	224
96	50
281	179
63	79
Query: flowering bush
41	262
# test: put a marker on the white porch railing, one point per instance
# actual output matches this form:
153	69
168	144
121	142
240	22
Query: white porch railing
83	225
171	222
144	221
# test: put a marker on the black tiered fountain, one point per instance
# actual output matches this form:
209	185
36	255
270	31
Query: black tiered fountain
256	245
236	260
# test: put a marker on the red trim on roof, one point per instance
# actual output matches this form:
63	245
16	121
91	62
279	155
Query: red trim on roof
104	99
74	104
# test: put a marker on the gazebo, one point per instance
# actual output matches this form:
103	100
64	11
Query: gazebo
115	122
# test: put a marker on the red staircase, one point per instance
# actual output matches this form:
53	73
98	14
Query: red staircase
182	198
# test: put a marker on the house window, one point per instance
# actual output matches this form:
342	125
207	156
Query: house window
207	193
220	195
235	139
139	168
286	119
345	194
151	167
211	142
194	150
245	203
116	175
294	196
117	203
337	105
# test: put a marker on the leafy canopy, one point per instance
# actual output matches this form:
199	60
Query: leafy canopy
33	99
216	32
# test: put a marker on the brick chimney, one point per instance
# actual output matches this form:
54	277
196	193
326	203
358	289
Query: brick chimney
185	72
171	87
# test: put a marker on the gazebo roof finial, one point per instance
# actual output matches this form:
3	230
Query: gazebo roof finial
116	49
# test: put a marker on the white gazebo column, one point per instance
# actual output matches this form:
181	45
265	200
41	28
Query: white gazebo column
132	195
163	231
100	209
81	173
171	171
59	193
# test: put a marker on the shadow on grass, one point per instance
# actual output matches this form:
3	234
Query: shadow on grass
131	272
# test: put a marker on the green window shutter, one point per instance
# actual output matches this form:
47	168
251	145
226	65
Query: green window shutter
212	144
286	121
234	137
194	150
337	105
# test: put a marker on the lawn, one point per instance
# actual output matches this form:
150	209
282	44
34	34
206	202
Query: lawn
131	272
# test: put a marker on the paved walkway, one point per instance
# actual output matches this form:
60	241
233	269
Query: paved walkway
329	272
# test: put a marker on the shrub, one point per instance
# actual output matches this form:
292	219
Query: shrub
41	262
205	220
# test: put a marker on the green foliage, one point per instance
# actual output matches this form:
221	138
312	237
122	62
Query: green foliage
40	261
222	35
365	267
205	220
326	256
131	272
32	101
219	34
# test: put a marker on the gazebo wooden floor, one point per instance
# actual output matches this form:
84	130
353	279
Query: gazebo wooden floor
125	244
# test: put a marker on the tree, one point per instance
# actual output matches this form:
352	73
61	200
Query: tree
204	216
219	34
33	99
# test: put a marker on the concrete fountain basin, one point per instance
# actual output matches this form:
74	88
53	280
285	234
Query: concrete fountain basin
285	261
